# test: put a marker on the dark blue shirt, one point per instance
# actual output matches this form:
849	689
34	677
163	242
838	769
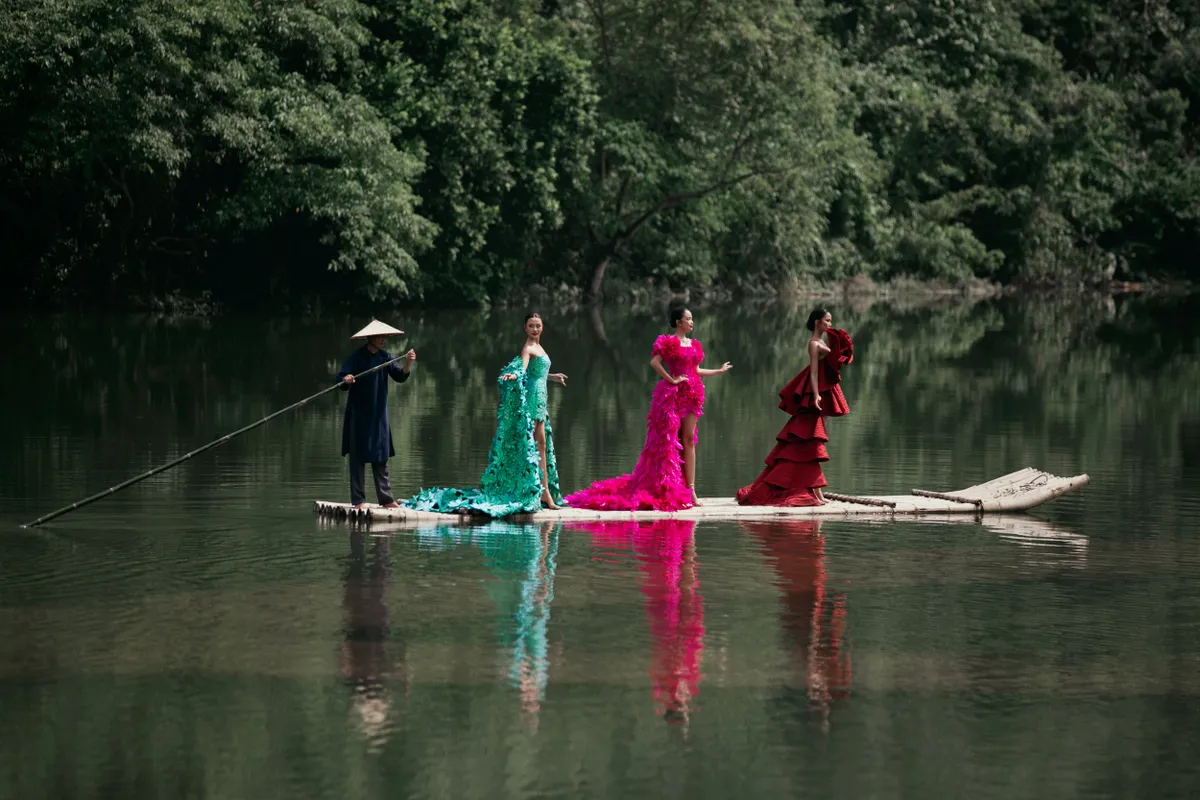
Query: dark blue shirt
365	431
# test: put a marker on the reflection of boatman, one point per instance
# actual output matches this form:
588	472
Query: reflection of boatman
366	434
365	649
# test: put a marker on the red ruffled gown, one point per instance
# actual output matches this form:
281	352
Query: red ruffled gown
794	465
656	483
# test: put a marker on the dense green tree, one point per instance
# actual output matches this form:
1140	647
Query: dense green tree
503	110
999	163
141	135
707	110
458	150
1148	52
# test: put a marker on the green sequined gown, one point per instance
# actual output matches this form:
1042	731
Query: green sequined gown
512	482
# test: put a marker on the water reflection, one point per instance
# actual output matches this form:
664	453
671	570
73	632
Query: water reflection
200	616
530	662
665	551
370	656
813	618
1054	382
523	559
1042	544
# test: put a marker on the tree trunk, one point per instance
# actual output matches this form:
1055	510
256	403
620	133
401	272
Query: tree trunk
598	278
598	324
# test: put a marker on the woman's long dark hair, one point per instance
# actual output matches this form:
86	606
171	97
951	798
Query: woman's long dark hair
816	314
674	314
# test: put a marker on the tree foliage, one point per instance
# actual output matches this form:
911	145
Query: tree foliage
708	114
502	109
143	136
456	150
1006	154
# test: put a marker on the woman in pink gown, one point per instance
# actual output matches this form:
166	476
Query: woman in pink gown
665	476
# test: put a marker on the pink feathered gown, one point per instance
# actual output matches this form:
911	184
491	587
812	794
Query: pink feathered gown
656	483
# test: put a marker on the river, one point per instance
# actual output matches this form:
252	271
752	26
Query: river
202	635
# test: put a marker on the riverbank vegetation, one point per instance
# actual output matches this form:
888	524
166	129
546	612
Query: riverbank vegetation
458	151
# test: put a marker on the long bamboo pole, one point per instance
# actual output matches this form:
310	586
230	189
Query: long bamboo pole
199	450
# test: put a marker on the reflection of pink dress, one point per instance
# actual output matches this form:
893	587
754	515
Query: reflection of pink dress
656	483
676	612
665	552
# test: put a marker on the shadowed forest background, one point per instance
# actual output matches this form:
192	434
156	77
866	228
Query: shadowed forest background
459	151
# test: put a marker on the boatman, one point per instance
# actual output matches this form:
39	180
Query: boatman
366	435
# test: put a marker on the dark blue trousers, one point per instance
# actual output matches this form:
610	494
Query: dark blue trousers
383	485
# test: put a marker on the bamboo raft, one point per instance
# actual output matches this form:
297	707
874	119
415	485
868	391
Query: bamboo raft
1017	491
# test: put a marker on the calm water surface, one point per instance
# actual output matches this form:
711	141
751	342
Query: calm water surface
203	636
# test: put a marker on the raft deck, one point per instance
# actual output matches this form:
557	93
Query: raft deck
1017	491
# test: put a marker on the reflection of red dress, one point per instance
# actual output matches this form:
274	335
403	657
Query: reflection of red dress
794	465
814	622
665	552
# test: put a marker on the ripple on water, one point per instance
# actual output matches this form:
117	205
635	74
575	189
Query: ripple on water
201	634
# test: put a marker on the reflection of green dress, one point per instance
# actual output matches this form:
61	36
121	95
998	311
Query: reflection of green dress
525	631
512	482
525	567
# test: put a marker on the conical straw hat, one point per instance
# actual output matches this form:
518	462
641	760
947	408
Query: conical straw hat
377	328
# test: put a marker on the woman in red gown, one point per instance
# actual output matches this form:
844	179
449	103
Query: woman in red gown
793	476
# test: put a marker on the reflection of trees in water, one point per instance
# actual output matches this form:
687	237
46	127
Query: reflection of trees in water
943	395
813	618
523	558
666	555
370	655
1189	445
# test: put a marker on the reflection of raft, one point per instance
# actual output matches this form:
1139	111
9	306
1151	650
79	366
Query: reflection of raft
1016	491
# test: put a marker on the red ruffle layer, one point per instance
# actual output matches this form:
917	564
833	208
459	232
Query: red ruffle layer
793	467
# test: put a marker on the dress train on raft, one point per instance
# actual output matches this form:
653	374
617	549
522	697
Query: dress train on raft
656	483
512	481
793	468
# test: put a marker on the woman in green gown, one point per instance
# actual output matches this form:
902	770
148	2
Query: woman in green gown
521	473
